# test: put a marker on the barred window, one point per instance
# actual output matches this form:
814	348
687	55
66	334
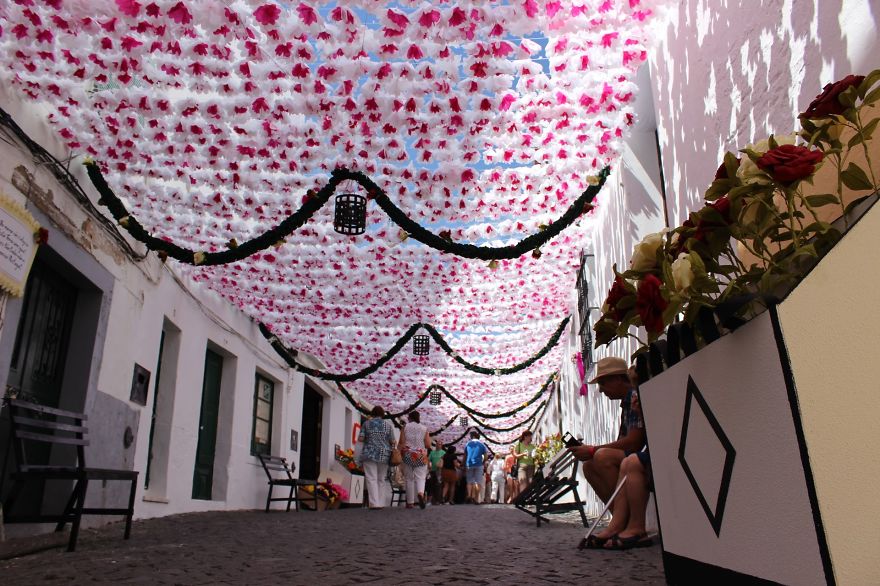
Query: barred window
261	439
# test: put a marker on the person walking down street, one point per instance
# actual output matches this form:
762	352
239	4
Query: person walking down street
414	445
475	454
435	483
449	474
511	471
498	480
524	450
377	436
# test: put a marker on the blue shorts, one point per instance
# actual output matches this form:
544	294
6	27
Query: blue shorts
474	474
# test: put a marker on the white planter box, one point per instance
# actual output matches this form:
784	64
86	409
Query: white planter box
764	443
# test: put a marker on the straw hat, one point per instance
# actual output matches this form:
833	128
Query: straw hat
608	366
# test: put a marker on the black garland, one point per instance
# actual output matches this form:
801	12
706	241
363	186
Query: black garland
315	202
290	355
444	427
484	425
491	440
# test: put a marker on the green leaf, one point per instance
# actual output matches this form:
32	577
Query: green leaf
822	199
869	128
855	202
872	96
848	97
869	80
854	178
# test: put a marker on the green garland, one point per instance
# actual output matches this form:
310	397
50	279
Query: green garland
484	425
297	219
470	410
290	355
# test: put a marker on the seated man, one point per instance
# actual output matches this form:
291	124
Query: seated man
602	463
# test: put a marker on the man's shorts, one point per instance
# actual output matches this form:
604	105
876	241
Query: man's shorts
474	474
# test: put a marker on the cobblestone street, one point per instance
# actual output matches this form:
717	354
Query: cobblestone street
441	545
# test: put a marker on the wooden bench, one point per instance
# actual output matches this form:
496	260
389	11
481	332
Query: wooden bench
280	473
546	492
32	425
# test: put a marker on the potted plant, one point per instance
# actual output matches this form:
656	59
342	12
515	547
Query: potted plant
760	320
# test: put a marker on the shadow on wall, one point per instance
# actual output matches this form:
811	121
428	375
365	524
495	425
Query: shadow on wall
725	77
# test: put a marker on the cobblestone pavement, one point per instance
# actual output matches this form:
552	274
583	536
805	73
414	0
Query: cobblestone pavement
462	544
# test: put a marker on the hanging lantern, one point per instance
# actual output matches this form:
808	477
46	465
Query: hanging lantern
463	421
350	217
421	345
434	397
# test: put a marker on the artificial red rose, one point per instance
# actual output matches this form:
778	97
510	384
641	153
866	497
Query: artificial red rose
618	291
789	163
827	103
650	304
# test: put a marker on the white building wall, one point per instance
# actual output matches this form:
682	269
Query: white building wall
138	298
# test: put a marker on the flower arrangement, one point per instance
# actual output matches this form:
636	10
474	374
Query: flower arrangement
328	491
767	220
548	448
346	458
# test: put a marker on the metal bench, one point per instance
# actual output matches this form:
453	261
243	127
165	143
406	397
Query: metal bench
280	473
31	425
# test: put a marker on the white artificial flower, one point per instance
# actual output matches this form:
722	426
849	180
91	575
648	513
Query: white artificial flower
645	254
682	273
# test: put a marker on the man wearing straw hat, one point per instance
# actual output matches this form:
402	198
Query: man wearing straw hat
602	463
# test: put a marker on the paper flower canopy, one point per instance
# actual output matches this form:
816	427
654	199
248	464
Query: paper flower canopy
212	120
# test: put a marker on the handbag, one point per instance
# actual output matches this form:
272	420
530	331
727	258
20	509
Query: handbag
396	457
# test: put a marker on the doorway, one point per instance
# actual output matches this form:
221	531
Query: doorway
203	471
310	441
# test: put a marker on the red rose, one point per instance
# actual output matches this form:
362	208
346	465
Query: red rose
618	291
650	304
789	163
826	103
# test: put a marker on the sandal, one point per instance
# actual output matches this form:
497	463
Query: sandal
595	542
621	543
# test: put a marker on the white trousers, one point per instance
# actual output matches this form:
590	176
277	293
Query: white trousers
415	481
378	487
498	488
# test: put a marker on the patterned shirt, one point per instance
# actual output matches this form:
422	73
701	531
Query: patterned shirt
629	417
378	438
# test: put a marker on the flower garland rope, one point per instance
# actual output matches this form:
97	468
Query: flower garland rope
473	412
297	219
290	355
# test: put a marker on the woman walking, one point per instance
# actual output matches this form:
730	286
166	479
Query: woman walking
449	475
378	439
524	450
414	445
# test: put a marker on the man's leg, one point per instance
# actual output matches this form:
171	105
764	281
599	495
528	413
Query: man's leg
636	490
603	470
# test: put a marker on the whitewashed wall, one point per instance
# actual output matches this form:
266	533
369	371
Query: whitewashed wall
140	297
730	73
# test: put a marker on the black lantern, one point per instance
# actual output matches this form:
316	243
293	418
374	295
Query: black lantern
434	397
463	421
421	345
350	217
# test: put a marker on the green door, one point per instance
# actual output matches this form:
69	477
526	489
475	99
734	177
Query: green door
203	473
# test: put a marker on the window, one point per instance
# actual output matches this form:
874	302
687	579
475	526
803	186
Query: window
585	329
261	440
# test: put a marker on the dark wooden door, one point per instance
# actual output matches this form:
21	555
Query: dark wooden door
310	444
153	413
37	370
203	473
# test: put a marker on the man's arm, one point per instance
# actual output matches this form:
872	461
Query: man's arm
631	442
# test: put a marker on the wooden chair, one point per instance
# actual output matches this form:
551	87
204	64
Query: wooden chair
280	473
545	493
32	424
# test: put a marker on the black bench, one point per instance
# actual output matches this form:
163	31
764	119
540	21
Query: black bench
32	425
545	493
280	473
